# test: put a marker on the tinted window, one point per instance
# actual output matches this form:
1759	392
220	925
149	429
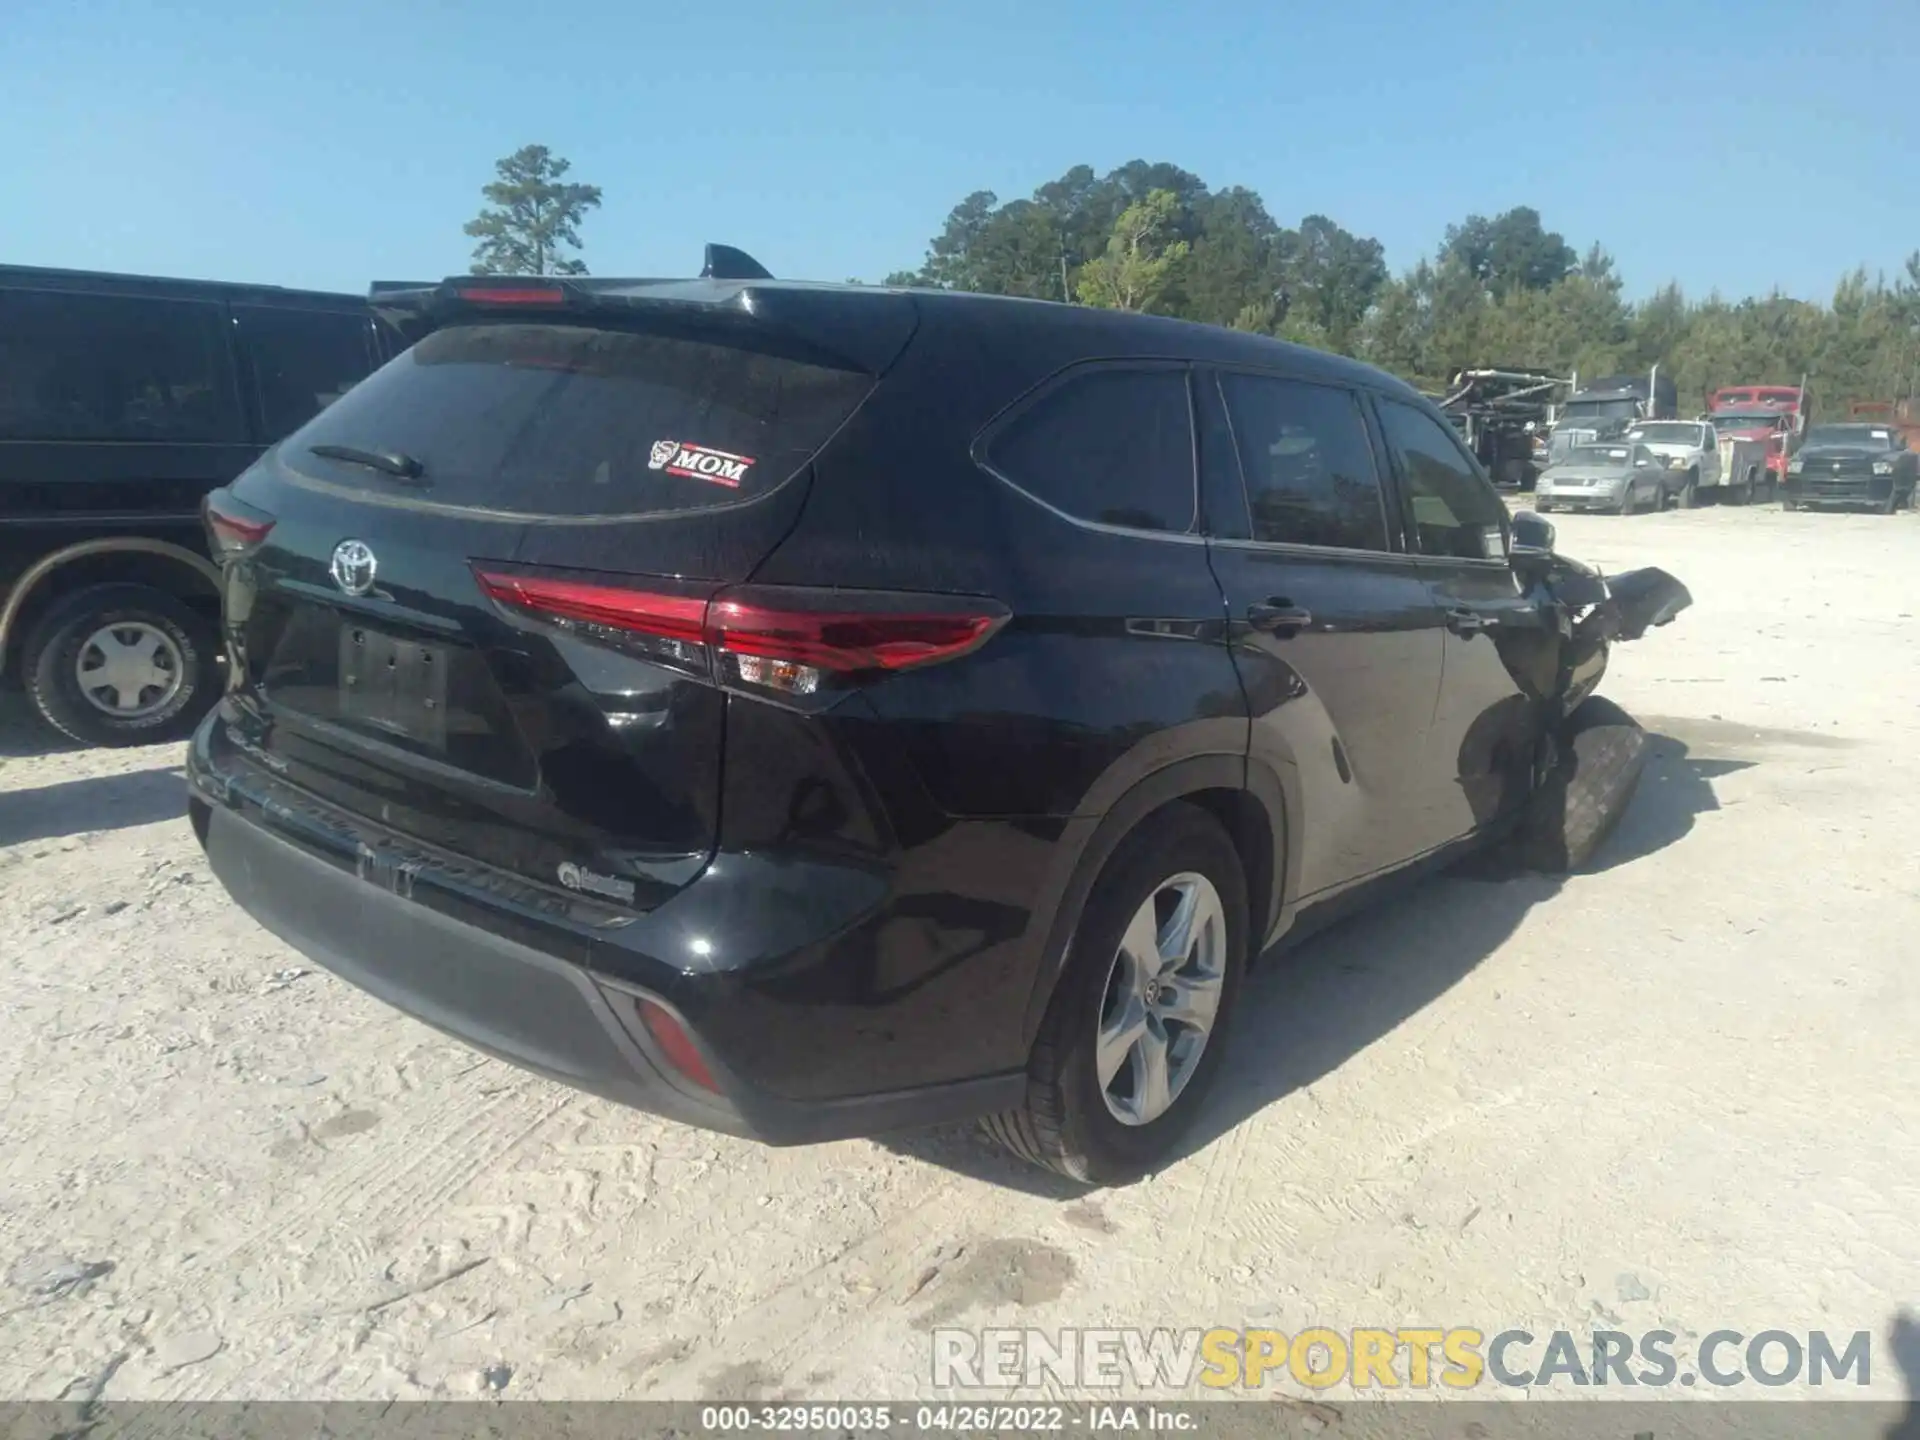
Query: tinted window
568	420
1455	512
1308	463
1113	446
302	361
100	367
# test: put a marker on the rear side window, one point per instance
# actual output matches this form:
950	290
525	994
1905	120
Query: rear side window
1111	446
1308	463
569	420
302	361
1455	512
113	368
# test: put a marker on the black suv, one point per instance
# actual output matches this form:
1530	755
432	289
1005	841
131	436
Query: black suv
809	711
123	401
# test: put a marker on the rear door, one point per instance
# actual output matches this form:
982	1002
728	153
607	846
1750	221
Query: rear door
1499	655
1336	637
437	629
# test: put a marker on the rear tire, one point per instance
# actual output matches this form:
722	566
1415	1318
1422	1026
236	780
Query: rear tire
153	662
1069	1123
1602	752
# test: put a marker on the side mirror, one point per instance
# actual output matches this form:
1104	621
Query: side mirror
1532	536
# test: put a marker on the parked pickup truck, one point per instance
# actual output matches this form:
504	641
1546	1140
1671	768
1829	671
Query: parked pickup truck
1688	450
1703	463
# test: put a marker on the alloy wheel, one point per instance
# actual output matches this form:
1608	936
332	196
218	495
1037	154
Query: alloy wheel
1161	1000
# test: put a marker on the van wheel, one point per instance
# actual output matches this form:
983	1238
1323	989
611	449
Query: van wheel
122	665
1602	751
1134	1034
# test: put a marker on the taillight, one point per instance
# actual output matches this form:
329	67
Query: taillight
787	640
231	526
673	617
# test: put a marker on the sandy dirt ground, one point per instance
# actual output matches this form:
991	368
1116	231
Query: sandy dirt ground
1681	1091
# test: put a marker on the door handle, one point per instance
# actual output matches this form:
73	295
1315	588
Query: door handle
1278	617
1466	622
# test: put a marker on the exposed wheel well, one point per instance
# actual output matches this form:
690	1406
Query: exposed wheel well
164	570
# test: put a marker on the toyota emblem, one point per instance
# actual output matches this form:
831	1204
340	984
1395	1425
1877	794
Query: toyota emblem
353	567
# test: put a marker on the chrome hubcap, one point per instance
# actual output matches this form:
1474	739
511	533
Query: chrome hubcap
1161	999
129	670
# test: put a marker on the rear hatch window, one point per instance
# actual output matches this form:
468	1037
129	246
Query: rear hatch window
557	421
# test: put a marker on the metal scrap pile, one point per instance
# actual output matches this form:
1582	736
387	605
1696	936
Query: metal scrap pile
1504	416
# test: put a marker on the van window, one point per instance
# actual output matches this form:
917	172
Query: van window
302	361
111	367
571	420
1114	446
1307	461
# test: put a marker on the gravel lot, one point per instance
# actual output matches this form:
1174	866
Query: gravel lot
1682	1090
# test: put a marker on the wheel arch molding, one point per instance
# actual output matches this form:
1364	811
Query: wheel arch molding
1252	800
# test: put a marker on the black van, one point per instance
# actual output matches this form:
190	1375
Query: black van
123	401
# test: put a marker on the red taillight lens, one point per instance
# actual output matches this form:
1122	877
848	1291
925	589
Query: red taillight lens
513	295
231	526
848	641
676	1045
788	640
672	617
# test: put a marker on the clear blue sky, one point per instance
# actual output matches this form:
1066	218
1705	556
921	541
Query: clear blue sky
1722	144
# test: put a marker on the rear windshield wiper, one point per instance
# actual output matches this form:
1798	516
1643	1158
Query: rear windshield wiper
387	462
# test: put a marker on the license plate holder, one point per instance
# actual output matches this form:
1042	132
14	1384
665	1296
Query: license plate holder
394	683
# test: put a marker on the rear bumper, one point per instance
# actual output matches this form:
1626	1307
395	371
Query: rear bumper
507	987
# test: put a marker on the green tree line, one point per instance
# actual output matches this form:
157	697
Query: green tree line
1499	291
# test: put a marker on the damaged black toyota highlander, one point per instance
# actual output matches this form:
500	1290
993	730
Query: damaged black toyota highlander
810	711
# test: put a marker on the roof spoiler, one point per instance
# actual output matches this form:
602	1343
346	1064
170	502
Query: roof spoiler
805	323
721	262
